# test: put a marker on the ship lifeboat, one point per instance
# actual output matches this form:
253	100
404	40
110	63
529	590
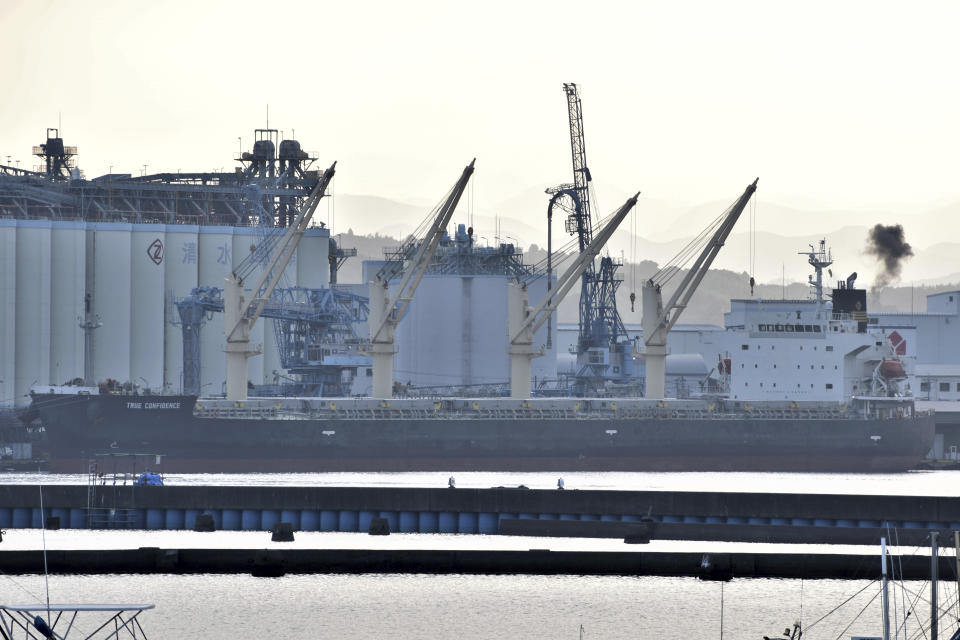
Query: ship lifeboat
891	369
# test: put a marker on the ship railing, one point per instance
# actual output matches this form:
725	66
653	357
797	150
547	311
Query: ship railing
283	411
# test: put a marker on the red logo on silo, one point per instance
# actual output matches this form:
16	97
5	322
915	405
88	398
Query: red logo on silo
155	251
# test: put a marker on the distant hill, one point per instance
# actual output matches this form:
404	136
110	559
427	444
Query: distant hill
712	298
662	229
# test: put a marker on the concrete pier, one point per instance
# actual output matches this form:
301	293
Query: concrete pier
278	562
751	517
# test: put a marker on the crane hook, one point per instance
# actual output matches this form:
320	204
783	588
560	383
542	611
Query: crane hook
633	298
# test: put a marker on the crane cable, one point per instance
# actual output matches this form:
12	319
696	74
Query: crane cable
633	259
752	243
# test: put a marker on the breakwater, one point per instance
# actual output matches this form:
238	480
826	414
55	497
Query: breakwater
276	562
794	517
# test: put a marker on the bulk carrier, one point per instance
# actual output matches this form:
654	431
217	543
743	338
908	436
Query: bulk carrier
803	385
844	406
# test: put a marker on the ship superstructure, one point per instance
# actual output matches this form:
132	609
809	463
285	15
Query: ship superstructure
818	349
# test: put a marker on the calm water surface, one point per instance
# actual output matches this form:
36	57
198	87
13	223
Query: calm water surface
482	607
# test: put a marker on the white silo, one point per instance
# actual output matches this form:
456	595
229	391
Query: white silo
148	252
32	317
108	262
181	266
215	261
68	287
313	264
8	311
455	333
455	330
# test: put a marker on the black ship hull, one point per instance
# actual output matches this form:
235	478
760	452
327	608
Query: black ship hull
81	426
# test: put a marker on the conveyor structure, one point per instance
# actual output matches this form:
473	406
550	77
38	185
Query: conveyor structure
315	330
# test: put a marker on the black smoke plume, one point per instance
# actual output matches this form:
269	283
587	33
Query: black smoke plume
887	244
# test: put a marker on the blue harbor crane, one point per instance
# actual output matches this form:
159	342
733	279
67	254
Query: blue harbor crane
315	331
604	350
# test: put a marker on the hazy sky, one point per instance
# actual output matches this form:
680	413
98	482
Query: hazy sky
843	104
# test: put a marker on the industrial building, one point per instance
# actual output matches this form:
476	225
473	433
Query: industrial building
90	270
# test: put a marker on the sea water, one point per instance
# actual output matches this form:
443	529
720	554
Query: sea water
408	607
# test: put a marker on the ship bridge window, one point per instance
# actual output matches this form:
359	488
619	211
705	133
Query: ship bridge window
829	385
744	347
944	386
924	386
829	347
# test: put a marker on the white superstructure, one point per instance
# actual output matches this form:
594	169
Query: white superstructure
793	350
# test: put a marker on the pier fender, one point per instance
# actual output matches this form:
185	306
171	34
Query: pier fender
282	532
293	517
348	521
429	522
204	522
409	522
269	519
310	520
379	527
231	520
329	520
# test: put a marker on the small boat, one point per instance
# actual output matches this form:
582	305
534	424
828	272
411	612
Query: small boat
928	629
65	621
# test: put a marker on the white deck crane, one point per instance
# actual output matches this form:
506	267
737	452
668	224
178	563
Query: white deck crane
239	316
523	321
386	312
658	318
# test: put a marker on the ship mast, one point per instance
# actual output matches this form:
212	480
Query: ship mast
819	260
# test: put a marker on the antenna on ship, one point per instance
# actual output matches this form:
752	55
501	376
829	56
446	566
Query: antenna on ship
819	259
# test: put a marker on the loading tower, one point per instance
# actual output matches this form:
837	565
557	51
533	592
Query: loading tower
604	350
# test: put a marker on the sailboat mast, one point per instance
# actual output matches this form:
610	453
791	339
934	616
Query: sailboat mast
884	593
934	622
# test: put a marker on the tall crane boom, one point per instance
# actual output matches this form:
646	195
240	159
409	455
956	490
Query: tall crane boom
239	316
601	331
523	321
386	312
658	318
578	222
